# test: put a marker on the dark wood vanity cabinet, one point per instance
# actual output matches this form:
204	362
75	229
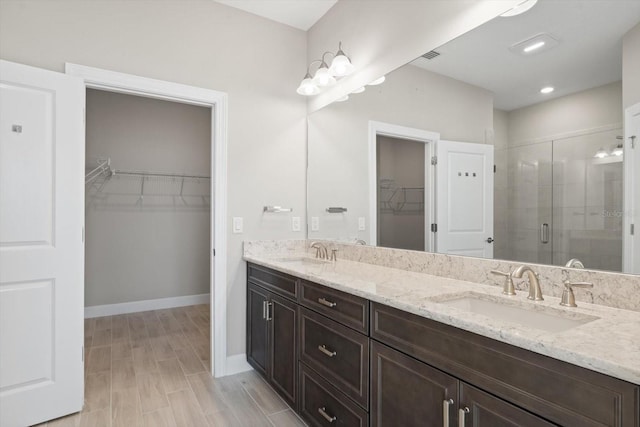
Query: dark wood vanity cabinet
272	329
346	361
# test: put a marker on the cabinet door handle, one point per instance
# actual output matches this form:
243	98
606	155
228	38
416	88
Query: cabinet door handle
326	351
462	412
445	411
269	314
323	411
264	309
326	302
544	233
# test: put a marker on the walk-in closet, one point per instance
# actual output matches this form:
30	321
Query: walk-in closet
147	232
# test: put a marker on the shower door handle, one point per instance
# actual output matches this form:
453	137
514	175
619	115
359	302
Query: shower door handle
544	233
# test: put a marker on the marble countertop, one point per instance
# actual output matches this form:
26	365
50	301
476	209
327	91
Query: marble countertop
610	344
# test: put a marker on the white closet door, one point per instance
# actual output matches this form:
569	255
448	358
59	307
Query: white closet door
464	199
41	244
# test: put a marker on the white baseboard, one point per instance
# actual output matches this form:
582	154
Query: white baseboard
236	364
146	305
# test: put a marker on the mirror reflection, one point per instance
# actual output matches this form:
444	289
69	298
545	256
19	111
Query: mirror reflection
505	143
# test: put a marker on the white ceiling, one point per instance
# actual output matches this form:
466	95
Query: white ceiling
301	14
589	54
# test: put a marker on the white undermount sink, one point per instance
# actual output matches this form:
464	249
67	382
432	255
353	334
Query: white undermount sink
521	312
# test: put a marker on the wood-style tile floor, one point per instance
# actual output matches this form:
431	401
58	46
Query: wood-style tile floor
152	369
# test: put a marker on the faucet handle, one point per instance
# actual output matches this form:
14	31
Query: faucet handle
334	254
568	297
507	288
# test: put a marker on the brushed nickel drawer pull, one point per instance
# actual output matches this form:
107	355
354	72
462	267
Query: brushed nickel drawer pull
445	411
323	411
326	302
324	349
264	309
462	412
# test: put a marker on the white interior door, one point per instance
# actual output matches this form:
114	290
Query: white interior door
464	199
41	244
631	223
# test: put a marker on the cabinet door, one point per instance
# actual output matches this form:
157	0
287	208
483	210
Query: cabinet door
283	329
257	328
484	410
405	392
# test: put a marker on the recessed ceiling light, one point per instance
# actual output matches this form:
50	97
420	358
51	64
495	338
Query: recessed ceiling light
521	7
532	47
377	81
547	89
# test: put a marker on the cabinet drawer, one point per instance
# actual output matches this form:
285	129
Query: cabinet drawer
347	309
558	391
322	405
338	353
277	282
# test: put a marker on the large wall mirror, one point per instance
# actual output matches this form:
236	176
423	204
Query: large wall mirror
462	151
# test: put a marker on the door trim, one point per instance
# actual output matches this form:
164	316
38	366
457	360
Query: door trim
630	209
96	78
412	134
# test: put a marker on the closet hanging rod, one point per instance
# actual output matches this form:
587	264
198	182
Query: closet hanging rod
103	168
158	174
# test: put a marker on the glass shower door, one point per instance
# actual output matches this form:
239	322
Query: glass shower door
529	202
587	200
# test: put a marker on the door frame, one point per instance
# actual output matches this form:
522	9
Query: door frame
430	139
96	78
630	209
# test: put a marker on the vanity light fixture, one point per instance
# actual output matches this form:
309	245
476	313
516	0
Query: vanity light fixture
601	154
359	90
377	81
520	8
618	151
325	75
547	89
344	98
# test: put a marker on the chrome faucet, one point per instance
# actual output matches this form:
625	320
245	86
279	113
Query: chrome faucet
360	242
535	293
574	263
321	250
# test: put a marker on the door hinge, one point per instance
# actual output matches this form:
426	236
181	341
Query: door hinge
434	228
632	229
83	234
494	168
214	252
633	141
434	160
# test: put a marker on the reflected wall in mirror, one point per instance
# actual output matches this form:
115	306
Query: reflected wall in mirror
563	160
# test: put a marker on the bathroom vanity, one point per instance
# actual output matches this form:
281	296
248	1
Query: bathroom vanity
355	344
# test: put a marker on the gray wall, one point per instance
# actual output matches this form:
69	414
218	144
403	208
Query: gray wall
155	247
631	67
258	62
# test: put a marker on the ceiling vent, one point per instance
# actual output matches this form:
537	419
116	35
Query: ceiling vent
431	55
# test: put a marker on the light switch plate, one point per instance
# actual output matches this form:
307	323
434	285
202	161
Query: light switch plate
237	224
315	223
295	223
361	223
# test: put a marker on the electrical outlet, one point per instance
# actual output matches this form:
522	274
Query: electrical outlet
315	223
295	223
237	224
361	224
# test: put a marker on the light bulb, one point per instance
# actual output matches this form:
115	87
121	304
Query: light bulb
308	87
520	8
341	66
323	77
601	154
378	81
546	90
618	151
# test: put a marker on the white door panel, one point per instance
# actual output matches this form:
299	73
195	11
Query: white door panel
41	248
464	199
631	255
